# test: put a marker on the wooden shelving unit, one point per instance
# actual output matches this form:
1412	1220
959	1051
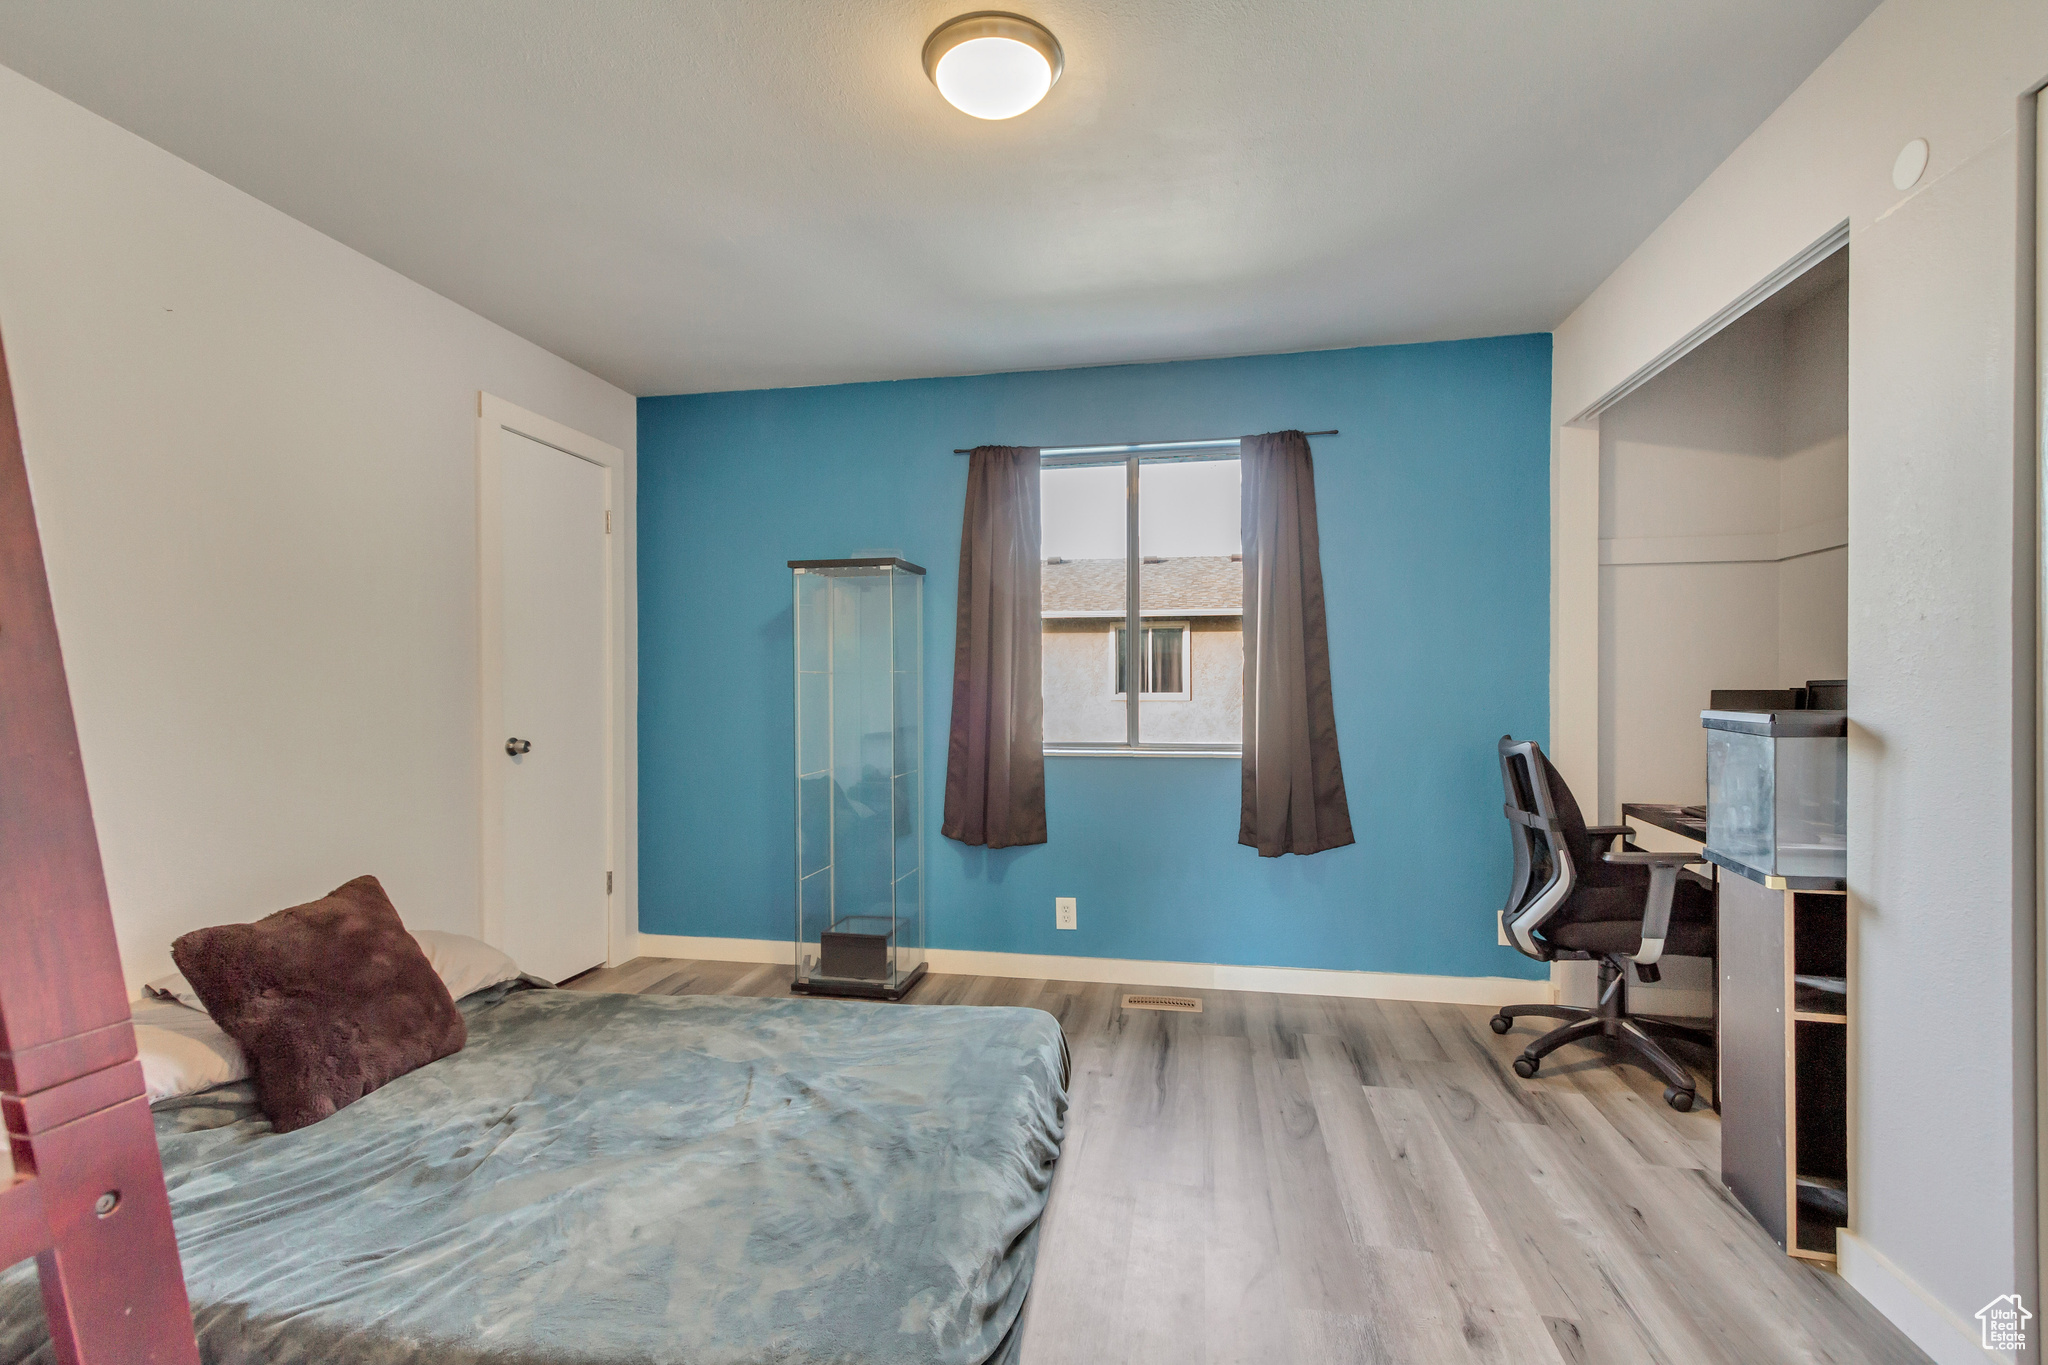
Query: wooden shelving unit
1784	1058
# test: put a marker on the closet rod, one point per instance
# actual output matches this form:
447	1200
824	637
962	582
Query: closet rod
1147	445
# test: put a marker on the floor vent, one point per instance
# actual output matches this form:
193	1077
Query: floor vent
1179	1004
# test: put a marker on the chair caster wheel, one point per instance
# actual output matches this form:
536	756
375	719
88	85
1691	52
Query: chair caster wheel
1500	1023
1525	1066
1681	1100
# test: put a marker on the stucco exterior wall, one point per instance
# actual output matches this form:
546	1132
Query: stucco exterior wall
1081	704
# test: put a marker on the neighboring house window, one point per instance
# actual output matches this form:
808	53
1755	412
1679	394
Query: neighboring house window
1166	520
1162	657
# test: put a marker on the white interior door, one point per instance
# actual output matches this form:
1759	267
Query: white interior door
553	524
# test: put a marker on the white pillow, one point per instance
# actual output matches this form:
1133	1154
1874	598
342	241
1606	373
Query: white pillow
183	1050
171	990
464	964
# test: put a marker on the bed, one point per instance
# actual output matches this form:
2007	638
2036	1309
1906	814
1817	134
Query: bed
622	1178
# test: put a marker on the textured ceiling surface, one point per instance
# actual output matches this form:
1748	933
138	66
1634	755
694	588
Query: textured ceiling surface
691	196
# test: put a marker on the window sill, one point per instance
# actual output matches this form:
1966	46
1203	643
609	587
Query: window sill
1127	751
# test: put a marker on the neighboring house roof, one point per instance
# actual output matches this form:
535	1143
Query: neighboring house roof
1193	585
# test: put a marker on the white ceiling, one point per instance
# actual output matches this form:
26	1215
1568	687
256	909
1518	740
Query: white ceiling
696	196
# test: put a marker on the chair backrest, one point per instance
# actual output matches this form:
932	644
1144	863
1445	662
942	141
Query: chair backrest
1545	872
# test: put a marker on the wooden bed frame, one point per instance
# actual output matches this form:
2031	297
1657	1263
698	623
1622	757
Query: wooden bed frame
86	1196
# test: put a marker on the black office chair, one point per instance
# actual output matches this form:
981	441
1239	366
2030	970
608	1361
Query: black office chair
1573	899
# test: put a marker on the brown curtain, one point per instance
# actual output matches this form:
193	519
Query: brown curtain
995	760
1293	780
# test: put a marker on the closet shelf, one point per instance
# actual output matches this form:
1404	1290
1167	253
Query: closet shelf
1820	999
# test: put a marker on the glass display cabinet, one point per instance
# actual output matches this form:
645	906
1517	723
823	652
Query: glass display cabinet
1778	795
859	776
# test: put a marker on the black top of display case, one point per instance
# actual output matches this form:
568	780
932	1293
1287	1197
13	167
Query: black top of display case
902	564
1780	724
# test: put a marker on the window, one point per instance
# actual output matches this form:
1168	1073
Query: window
1163	521
1163	658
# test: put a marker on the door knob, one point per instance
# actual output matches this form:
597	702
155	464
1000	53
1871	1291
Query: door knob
516	747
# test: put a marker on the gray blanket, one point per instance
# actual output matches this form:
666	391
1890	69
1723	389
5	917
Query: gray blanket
614	1178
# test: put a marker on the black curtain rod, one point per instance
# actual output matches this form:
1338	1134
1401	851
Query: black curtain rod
1156	445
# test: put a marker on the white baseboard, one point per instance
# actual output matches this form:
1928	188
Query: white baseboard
1451	990
1930	1324
779	950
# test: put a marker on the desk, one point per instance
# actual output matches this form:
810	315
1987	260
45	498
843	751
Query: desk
1689	822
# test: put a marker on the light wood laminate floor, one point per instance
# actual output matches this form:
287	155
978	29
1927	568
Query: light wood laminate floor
1303	1179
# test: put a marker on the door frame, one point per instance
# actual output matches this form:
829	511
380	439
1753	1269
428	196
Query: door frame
1575	622
2033	373
496	416
1575	529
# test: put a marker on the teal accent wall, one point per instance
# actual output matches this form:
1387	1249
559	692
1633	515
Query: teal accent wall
1434	507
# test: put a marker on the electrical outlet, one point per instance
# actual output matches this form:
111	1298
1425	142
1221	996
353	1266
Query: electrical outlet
1064	915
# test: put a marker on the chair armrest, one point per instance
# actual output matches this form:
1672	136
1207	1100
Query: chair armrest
1664	870
1600	834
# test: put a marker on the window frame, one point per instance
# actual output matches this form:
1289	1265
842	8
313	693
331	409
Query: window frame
1187	658
1132	458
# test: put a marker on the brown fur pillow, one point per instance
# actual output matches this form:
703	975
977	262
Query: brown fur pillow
329	1000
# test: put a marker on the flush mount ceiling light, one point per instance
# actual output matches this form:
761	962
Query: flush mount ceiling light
991	64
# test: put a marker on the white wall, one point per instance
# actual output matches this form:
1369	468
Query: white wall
1813	617
1717	480
1939	597
1813	491
1687	466
254	460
